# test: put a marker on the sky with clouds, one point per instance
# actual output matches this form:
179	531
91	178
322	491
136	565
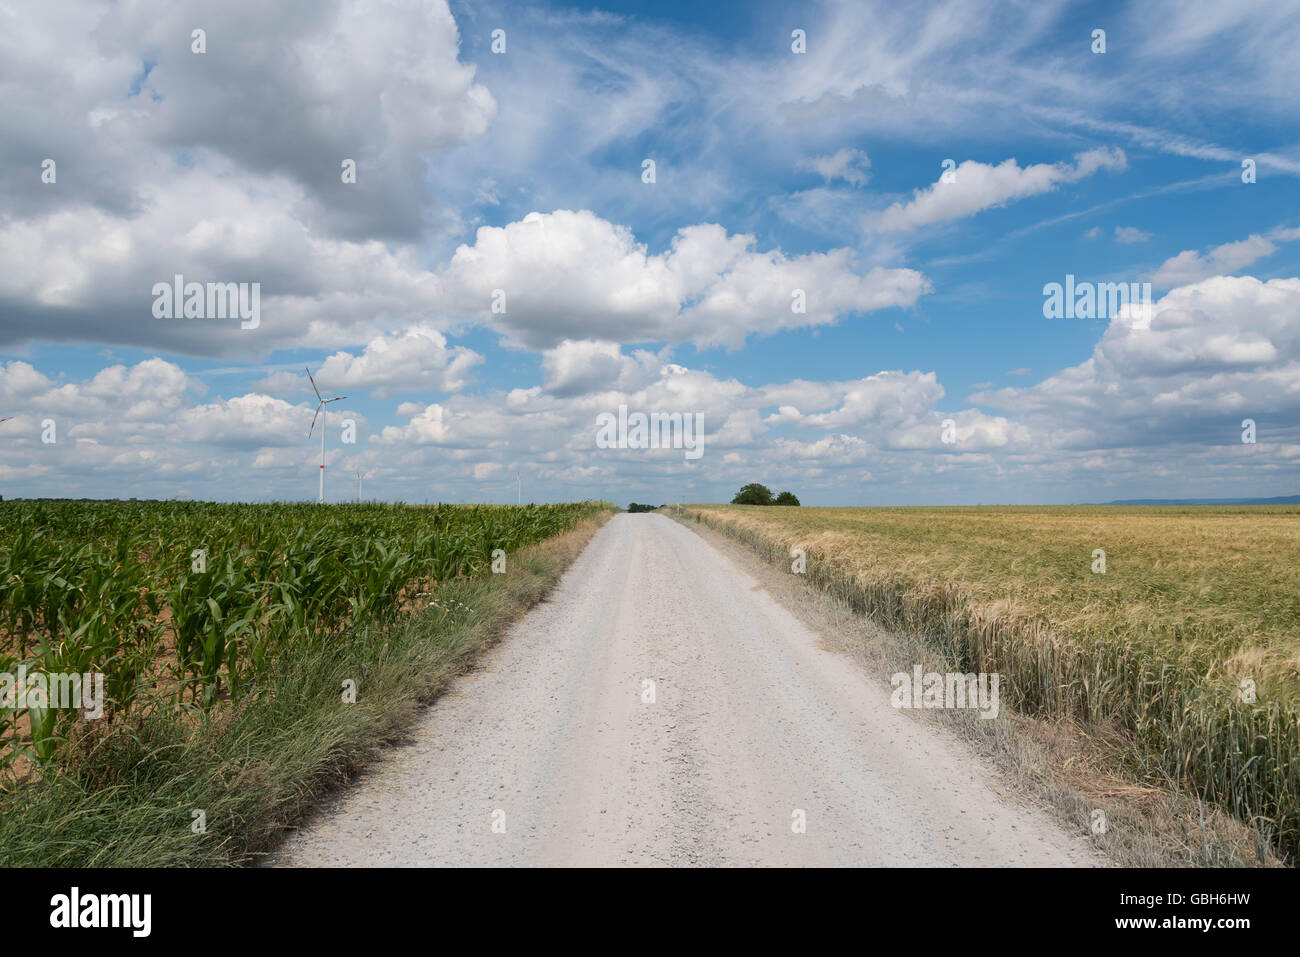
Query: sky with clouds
839	261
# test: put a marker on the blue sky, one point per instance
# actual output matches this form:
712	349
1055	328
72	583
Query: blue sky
774	171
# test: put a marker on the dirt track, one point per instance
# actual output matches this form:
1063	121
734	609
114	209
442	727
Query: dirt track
752	721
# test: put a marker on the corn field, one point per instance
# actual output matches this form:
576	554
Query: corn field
183	605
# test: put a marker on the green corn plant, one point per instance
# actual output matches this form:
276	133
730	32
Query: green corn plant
102	586
9	745
43	720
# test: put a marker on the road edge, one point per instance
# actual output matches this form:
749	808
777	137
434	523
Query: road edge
1050	764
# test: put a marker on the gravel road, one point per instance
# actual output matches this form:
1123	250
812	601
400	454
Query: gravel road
550	753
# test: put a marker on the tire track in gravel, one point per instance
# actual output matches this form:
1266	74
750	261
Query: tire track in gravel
752	721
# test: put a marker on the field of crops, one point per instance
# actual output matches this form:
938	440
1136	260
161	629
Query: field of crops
183	605
1188	642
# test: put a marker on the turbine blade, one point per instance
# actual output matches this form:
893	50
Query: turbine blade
313	422
313	384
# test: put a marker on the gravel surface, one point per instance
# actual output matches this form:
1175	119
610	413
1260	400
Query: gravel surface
549	754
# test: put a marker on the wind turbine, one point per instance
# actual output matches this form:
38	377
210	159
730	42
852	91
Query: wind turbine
321	404
519	490
5	419
360	476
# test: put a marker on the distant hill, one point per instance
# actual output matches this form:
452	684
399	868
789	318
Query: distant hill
1279	500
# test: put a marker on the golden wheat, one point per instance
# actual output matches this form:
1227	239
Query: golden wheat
1189	641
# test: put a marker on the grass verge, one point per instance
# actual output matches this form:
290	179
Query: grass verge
127	795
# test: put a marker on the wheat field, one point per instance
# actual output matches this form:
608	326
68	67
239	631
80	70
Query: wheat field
1188	641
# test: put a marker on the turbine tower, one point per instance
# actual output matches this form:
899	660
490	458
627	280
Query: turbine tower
321	404
360	476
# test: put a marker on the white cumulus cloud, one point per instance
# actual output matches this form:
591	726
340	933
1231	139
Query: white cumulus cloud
978	186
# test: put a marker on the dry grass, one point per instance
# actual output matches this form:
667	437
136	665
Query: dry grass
1193	602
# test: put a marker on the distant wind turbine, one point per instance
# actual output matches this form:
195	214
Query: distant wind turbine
519	490
360	476
321	404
